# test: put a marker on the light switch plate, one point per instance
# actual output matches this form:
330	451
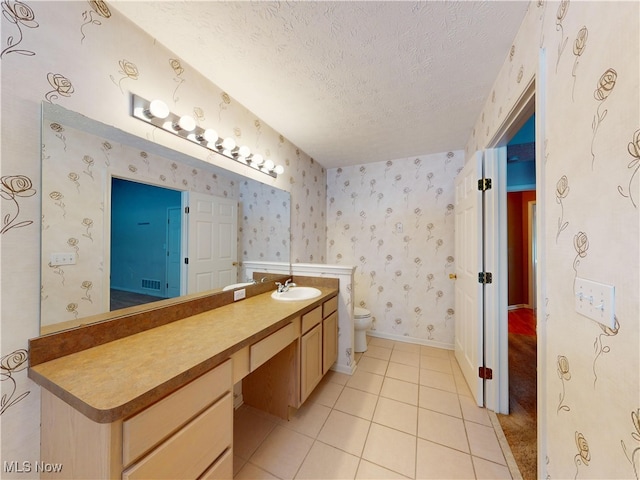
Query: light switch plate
595	301
239	294
58	259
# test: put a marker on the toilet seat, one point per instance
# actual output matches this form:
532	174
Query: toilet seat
361	312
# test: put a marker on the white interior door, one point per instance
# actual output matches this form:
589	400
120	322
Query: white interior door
212	242
468	291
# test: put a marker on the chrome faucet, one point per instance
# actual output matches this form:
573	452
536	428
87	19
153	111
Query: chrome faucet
285	288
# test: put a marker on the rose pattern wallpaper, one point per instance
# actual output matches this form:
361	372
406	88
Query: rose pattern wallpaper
588	81
394	220
586	77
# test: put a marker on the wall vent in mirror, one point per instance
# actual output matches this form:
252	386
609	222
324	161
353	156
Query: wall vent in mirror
157	113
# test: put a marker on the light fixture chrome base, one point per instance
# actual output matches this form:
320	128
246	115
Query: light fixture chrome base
158	114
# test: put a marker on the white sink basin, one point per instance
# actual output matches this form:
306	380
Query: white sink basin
297	293
236	285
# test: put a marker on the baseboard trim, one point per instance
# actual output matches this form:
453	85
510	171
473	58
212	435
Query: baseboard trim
405	339
520	305
349	370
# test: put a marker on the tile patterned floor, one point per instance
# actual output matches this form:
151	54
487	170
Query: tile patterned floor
405	413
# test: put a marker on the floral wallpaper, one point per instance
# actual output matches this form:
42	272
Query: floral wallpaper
265	226
394	220
590	225
86	57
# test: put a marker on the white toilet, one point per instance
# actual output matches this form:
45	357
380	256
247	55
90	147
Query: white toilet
362	322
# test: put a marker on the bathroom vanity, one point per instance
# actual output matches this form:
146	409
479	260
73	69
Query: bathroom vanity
159	403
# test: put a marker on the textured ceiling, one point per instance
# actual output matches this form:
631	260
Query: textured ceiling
347	82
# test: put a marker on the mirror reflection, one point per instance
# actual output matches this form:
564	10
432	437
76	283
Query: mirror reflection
115	231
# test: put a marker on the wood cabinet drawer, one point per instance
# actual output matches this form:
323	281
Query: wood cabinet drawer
311	319
149	427
274	343
221	469
189	452
329	306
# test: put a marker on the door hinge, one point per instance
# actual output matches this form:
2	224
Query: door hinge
186	209
186	261
485	373
485	277
484	184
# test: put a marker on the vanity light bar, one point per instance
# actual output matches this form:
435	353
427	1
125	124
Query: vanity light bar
157	113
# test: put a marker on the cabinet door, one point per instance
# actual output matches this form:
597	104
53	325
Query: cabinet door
329	341
311	361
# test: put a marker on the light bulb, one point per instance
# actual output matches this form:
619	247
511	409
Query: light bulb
186	123
158	109
279	169
268	165
244	151
257	159
228	144
210	135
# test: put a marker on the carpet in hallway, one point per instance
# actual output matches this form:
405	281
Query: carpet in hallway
521	424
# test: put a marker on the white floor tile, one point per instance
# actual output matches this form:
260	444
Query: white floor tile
251	472
308	419
346	432
401	391
484	443
325	462
356	402
486	470
391	449
397	415
439	462
371	471
373	365
405	413
406	373
443	429
282	453
366	381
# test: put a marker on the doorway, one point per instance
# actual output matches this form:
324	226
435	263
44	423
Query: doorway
520	425
145	243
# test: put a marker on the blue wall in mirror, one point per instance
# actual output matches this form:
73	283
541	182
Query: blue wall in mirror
139	230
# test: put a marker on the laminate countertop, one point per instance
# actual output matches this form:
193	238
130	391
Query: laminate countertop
112	381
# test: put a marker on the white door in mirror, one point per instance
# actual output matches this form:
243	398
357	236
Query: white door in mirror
297	293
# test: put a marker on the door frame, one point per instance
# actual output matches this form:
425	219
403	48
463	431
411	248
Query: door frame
497	342
533	99
167	262
531	252
108	179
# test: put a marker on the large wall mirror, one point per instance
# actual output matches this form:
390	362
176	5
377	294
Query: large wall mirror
114	228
